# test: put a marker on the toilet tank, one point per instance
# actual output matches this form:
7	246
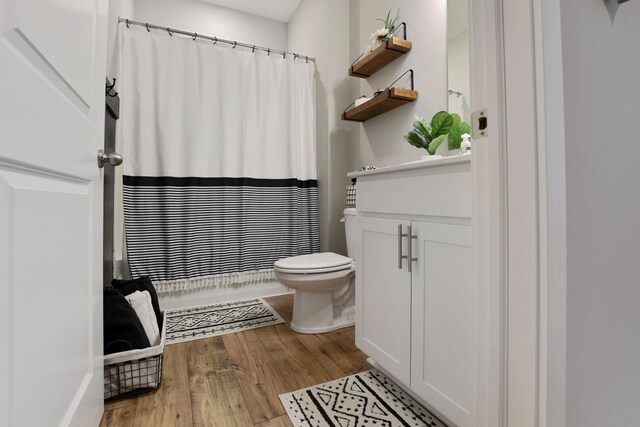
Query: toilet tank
351	231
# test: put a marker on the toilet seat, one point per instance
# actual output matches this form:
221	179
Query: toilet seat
324	262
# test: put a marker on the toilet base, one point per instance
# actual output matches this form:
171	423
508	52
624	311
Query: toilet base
313	313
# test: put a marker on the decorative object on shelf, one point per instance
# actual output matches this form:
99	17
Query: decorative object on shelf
442	125
388	99
465	145
382	35
361	100
376	57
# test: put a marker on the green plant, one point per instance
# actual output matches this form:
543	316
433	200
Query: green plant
458	129
430	136
442	125
390	23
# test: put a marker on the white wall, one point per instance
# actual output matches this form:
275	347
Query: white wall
379	141
205	18
601	70
196	16
123	8
458	71
320	28
336	32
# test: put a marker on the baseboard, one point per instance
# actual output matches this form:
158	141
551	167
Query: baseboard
214	295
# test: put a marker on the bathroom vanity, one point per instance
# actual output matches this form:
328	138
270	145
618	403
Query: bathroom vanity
414	288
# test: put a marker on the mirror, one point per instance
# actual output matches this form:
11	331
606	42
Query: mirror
458	58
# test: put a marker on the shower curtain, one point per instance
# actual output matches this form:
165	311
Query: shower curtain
220	169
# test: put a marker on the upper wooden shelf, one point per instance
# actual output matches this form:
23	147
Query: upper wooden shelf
391	98
384	54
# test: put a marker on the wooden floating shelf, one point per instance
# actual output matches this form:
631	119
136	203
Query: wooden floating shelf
388	100
384	54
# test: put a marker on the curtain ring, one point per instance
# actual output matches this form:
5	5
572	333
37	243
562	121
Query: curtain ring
253	49
307	59
235	44
195	36
147	25
268	52
284	55
128	26
169	31
295	56
215	40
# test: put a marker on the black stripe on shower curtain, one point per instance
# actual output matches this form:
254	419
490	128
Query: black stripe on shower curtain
179	228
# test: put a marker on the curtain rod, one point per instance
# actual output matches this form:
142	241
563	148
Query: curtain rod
215	40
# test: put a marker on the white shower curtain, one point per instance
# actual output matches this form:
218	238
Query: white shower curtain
220	168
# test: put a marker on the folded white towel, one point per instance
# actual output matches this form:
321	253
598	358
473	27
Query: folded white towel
141	303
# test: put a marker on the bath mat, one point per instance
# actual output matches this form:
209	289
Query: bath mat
205	321
365	399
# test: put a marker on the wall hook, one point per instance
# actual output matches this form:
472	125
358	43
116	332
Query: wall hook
110	88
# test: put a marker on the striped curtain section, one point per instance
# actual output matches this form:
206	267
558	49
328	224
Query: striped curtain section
219	230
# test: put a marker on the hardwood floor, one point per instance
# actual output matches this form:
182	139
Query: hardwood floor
235	379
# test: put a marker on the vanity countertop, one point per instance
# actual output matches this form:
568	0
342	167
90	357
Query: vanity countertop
418	164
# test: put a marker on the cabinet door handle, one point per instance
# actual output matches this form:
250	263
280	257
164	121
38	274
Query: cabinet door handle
409	256
400	256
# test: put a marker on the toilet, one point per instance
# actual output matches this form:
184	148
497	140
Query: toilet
324	285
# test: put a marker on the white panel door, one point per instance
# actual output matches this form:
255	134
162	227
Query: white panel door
52	74
383	296
443	319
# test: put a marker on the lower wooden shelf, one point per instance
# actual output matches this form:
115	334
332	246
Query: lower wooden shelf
388	100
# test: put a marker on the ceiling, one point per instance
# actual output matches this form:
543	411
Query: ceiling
279	10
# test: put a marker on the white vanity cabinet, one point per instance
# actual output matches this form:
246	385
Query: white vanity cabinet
383	297
414	287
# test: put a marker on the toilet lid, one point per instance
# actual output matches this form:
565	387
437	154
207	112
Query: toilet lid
319	261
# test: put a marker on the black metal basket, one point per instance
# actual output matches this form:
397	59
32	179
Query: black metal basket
132	377
134	372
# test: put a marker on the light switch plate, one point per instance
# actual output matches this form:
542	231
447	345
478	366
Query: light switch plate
479	124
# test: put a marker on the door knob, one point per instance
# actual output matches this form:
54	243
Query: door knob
114	159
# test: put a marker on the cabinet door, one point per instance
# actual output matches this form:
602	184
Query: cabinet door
383	296
442	319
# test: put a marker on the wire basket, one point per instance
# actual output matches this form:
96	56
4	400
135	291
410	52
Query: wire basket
134	372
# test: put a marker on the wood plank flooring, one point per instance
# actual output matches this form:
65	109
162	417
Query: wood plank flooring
235	379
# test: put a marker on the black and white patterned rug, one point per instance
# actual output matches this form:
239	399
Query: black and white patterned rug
365	399
218	319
